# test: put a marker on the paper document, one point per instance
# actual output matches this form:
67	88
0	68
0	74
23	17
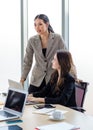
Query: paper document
44	110
57	126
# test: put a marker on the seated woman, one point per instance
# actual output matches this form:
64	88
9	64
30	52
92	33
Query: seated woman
61	87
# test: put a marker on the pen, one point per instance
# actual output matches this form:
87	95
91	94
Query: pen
36	129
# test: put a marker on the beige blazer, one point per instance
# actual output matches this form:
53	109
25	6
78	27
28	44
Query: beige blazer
43	65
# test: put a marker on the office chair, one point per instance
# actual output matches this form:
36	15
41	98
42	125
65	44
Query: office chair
80	92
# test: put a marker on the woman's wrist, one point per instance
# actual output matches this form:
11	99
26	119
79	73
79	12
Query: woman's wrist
22	80
42	100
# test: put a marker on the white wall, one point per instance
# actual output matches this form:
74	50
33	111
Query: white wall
81	43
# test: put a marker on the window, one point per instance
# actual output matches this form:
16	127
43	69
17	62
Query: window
10	54
53	9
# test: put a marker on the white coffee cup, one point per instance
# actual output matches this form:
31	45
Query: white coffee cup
57	115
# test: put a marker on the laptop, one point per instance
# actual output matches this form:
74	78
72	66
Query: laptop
17	85
14	84
14	104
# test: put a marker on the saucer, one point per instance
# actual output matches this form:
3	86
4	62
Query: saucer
51	117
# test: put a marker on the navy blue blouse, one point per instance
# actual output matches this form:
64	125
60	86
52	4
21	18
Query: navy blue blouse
66	95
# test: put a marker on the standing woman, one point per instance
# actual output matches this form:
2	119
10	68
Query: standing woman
43	46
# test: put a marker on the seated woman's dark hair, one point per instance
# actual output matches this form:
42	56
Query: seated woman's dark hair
64	60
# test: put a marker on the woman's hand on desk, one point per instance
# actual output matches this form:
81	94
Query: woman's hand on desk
30	95
31	98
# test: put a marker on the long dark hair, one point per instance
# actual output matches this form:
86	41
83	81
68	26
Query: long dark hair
64	59
46	20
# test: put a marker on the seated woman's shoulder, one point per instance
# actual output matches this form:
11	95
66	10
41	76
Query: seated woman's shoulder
70	78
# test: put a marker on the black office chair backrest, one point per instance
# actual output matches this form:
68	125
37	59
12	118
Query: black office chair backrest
80	91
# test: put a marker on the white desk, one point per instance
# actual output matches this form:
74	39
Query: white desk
31	120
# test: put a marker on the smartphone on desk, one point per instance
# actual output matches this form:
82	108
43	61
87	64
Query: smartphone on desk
40	106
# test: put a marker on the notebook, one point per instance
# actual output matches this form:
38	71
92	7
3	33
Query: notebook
14	84
14	104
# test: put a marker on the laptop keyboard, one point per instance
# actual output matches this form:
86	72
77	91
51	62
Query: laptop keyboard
6	114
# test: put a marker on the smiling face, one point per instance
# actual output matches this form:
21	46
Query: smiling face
55	64
40	26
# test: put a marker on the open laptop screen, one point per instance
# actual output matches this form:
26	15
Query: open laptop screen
15	100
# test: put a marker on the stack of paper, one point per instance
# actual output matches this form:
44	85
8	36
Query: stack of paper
44	110
57	126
